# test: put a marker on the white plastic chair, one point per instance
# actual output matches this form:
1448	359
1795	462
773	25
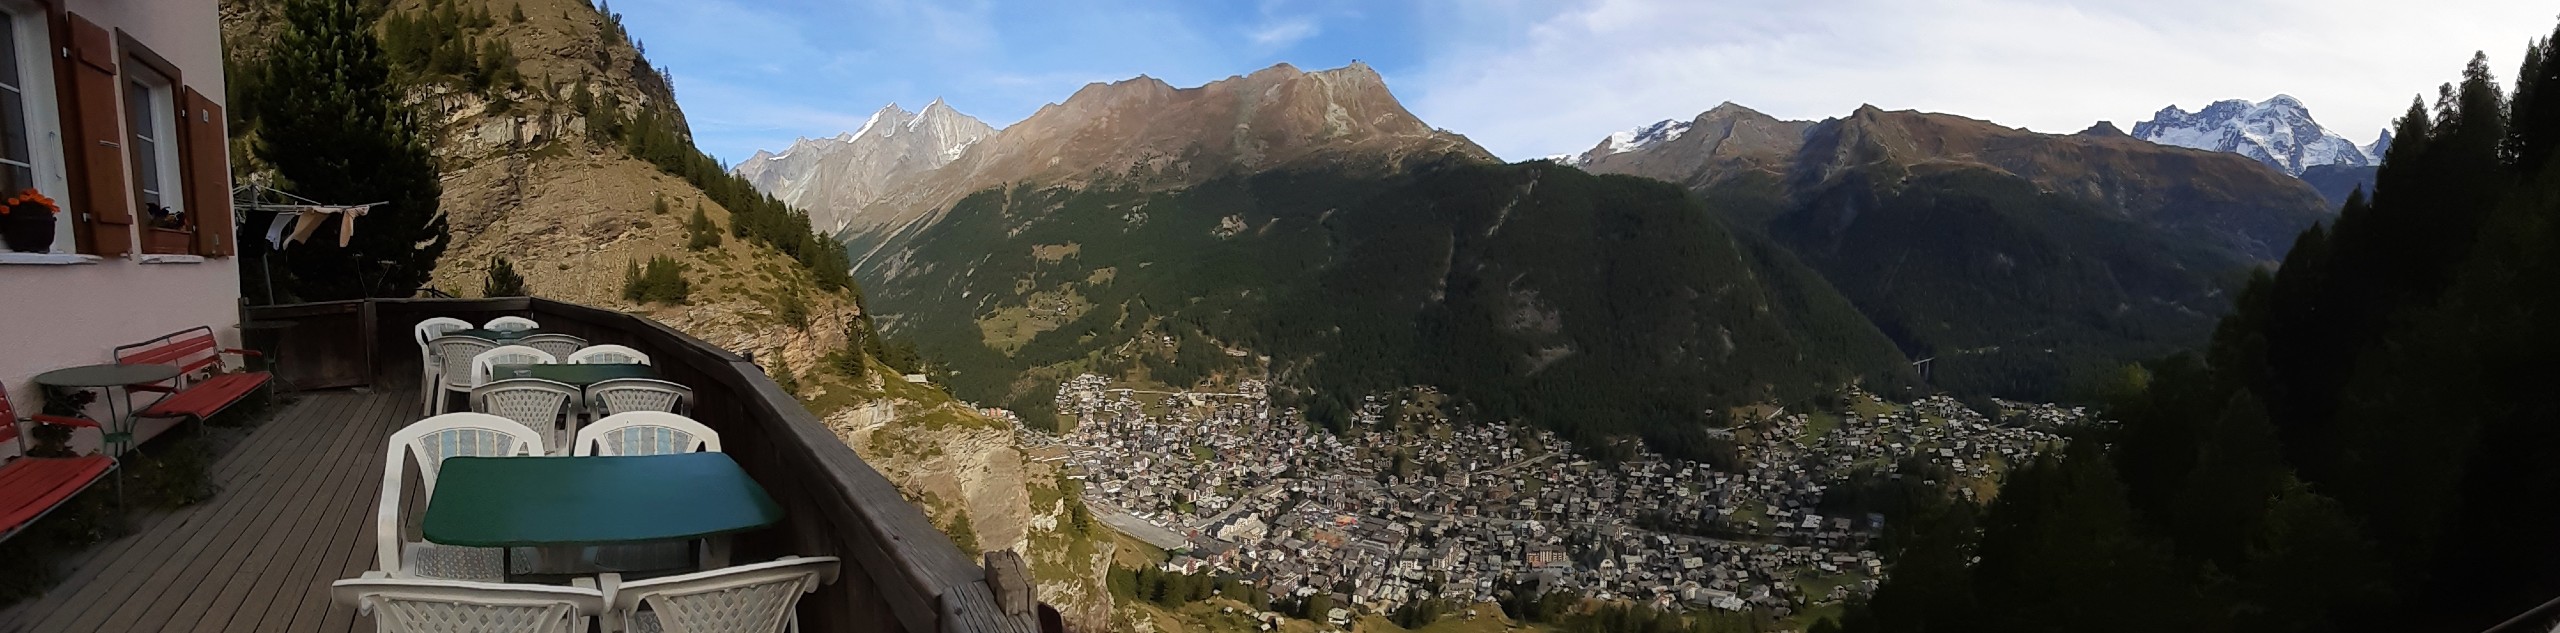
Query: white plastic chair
758	598
429	442
533	402
511	324
606	355
558	345
418	605
482	364
645	433
453	372
625	395
428	365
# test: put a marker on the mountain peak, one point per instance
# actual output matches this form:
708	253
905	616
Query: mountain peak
840	174
2103	128
2278	131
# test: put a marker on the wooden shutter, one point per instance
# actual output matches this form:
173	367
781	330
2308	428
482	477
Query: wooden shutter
208	172
93	142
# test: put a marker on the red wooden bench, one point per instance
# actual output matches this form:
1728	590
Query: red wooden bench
203	386
31	487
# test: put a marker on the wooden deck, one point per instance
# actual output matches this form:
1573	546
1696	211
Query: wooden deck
293	512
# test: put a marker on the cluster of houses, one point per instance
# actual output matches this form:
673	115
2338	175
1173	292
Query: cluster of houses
1412	506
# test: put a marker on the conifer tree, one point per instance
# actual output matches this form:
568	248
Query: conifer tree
503	281
333	126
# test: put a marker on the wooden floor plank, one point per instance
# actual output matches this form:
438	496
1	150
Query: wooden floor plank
315	512
119	573
313	562
177	594
253	452
355	555
167	544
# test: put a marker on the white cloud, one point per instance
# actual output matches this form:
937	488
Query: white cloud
1546	79
1281	33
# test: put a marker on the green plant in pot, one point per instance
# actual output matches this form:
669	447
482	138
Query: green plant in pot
26	221
54	440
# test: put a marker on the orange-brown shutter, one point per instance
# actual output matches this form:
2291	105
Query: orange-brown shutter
94	141
208	172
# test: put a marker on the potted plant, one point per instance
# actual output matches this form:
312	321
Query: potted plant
26	222
51	440
168	232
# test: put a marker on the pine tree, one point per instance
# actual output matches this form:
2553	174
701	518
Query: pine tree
337	132
516	13
502	280
700	232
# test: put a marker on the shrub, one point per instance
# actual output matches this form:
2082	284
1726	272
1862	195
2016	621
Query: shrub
662	281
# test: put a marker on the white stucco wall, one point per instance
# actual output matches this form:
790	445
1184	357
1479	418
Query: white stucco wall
54	316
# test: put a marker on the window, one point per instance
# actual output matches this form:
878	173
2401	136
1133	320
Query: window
30	137
151	135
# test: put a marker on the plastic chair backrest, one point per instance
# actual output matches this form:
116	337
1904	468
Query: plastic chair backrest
606	355
645	433
405	605
757	597
454	353
622	395
558	345
429	442
511	324
433	327
532	401
506	355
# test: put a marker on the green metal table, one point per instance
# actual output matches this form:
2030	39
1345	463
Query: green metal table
501	336
104	377
542	501
579	375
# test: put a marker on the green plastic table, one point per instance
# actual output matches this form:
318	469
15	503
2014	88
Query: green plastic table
579	375
538	501
495	335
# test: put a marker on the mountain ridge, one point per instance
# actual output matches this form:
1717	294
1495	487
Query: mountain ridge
2278	131
828	176
2018	259
1145	128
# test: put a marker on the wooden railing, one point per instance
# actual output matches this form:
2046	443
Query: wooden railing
901	573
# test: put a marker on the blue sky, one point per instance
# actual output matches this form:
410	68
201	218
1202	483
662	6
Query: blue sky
1527	78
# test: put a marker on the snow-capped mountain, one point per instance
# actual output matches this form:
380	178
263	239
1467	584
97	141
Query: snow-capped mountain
1628	141
835	177
2278	131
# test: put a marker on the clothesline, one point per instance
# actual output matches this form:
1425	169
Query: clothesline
296	220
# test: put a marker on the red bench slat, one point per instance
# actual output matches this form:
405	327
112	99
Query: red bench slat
30	486
207	397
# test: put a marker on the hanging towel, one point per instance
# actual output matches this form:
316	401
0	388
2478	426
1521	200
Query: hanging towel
276	229
306	222
347	224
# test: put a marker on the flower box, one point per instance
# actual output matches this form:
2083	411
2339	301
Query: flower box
160	241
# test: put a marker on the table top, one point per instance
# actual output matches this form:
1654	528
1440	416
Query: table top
533	501
107	375
580	375
495	335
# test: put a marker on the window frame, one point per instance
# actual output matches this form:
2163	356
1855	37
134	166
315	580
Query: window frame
162	82
31	26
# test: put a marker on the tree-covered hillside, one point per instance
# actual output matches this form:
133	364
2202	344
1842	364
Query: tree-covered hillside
2365	445
2013	290
1598	305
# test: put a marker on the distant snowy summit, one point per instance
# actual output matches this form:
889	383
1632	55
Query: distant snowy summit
832	178
2278	131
